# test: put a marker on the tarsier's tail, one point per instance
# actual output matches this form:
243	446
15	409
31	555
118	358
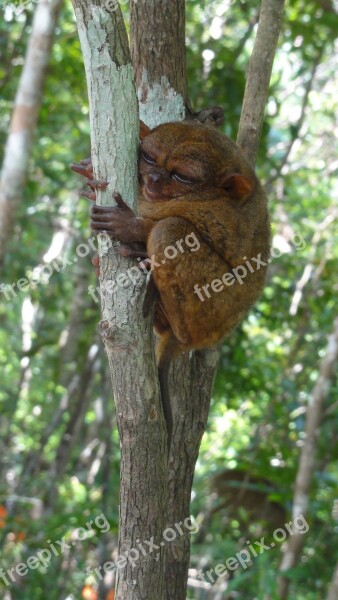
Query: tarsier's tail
166	350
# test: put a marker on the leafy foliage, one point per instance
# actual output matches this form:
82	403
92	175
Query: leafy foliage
59	449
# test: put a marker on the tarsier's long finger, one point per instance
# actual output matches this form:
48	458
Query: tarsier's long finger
128	252
97	184
89	195
118	199
104	213
99	226
84	167
102	209
78	168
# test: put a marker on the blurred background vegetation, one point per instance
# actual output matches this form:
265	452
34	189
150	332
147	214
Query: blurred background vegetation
59	451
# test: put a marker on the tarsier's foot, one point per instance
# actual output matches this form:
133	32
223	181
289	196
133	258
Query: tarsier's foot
97	184
139	251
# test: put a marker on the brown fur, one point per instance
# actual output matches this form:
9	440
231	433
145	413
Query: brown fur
225	209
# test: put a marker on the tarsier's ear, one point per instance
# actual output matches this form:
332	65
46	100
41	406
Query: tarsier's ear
144	130
238	186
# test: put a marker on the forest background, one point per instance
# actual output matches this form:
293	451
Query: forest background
59	451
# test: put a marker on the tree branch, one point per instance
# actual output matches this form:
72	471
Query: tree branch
297	127
258	78
307	457
25	115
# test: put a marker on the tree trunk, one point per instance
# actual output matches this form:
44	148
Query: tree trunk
158	55
333	588
157	31
127	336
25	115
192	383
162	93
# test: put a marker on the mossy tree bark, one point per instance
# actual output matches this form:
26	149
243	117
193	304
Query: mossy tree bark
127	337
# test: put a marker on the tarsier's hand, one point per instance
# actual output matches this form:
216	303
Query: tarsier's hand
119	222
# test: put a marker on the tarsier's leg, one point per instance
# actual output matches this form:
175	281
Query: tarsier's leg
179	250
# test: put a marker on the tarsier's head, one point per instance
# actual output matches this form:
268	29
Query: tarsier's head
177	159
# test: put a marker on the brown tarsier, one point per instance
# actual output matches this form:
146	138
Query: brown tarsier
204	226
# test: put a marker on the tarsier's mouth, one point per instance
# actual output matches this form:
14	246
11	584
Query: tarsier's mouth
153	195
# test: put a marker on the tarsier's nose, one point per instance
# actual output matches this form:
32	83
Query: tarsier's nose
154	177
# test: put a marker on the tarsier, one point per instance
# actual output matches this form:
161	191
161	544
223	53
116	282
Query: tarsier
194	181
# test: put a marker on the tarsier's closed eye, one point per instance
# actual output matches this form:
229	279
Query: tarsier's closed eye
147	158
183	178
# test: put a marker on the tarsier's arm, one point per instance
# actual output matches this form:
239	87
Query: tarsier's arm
120	222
